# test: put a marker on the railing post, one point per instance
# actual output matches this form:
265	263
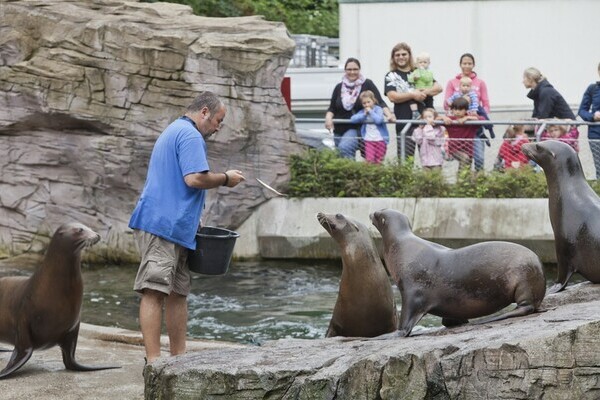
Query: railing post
403	142
538	133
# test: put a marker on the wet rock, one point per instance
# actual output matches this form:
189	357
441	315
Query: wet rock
550	355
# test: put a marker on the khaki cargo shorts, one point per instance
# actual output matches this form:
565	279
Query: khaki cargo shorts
163	266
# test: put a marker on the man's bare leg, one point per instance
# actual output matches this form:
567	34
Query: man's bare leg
176	314
150	322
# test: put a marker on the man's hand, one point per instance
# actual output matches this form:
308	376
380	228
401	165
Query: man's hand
234	177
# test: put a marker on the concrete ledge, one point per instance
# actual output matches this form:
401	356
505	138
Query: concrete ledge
288	228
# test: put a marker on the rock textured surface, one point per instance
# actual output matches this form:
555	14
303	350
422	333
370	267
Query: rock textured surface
550	355
87	86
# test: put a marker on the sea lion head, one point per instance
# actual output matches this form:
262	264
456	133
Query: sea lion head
338	226
73	237
386	219
553	155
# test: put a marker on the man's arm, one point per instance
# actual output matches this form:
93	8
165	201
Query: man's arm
396	97
210	180
433	90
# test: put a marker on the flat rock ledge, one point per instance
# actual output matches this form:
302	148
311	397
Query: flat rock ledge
549	355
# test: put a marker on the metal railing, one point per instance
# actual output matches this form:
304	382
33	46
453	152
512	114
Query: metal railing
589	149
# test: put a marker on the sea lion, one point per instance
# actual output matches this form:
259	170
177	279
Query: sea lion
457	284
43	310
365	305
574	211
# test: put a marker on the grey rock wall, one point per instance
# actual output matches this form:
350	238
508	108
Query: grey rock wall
549	355
87	86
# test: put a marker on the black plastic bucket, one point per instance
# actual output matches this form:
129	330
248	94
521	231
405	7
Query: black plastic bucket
214	248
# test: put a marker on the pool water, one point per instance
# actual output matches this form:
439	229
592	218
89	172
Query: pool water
253	302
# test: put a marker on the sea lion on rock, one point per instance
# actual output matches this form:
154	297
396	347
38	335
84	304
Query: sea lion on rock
365	306
457	284
574	211
43	310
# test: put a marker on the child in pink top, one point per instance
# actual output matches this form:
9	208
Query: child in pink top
430	139
562	133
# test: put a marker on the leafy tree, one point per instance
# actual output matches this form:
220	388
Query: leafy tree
315	17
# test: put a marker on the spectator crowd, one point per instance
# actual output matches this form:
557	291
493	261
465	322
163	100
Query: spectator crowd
411	86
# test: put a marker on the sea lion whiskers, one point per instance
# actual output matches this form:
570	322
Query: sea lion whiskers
324	221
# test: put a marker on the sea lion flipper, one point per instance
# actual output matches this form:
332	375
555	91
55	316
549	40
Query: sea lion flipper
519	311
68	345
563	279
557	287
17	359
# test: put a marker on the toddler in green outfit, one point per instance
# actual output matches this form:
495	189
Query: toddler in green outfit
421	78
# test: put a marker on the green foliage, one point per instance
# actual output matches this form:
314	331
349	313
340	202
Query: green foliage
315	17
325	174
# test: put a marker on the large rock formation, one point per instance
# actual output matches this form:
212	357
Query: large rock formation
550	355
87	86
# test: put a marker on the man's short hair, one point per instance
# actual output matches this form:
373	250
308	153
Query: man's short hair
206	99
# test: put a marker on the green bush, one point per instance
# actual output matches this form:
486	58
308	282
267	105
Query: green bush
325	174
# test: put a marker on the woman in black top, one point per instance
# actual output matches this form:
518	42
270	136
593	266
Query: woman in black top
547	102
344	103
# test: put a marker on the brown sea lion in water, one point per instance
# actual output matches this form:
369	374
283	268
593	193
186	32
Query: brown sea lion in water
457	284
365	306
43	310
574	211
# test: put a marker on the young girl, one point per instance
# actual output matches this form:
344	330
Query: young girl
562	133
374	134
430	139
510	154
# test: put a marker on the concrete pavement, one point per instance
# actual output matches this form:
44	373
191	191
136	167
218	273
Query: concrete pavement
44	375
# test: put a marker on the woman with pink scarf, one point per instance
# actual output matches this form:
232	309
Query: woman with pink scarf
344	103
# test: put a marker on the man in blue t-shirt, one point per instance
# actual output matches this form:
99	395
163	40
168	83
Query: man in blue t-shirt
166	219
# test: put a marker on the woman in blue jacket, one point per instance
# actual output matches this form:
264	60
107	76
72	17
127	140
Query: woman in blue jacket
589	110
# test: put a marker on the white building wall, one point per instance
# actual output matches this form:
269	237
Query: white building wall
559	37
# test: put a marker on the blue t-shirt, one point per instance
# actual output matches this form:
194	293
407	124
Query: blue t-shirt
167	207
